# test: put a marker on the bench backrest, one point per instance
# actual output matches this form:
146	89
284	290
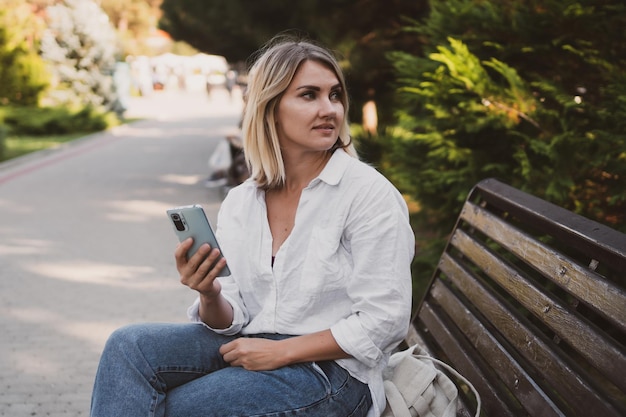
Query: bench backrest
528	302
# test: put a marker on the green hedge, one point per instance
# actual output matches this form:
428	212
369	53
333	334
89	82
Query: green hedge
54	120
4	131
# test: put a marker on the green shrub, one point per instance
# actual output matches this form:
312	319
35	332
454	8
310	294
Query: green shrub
533	96
4	132
23	75
55	120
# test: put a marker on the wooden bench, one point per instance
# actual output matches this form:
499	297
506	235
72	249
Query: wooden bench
528	302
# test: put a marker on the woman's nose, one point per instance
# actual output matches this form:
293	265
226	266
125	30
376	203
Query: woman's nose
328	108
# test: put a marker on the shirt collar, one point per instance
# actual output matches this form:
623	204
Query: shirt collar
331	174
335	168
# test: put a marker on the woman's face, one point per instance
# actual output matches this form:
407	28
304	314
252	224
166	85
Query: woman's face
310	112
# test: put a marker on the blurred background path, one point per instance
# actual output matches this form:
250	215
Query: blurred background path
86	247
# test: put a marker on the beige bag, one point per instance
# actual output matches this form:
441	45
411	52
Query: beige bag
416	388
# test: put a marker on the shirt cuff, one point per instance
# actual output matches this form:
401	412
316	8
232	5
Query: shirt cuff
193	313
351	337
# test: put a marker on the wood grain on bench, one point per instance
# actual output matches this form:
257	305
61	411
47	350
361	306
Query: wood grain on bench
529	303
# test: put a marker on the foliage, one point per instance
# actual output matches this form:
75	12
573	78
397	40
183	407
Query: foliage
361	31
135	21
54	120
137	17
4	131
22	73
16	146
80	45
532	93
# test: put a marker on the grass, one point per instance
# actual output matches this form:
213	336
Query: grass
15	146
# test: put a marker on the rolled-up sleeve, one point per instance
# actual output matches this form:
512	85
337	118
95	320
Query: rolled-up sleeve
382	244
239	316
230	289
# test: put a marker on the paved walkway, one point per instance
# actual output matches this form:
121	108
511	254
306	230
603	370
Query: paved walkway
85	245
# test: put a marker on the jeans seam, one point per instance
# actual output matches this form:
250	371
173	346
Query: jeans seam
329	395
361	406
320	371
159	384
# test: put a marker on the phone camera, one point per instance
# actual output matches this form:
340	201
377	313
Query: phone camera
178	222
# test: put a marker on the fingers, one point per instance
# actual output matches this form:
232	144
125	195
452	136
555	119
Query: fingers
227	347
202	260
200	270
230	353
253	354
180	254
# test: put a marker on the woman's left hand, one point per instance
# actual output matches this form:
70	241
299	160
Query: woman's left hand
253	354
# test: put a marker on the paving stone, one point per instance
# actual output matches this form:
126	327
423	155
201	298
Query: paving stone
85	246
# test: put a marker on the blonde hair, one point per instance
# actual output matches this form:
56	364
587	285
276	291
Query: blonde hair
268	79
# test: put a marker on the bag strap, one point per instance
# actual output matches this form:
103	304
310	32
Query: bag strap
456	374
395	400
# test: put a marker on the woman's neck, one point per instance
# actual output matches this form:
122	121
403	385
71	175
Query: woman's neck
299	173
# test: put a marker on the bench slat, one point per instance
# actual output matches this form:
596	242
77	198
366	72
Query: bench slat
600	351
511	373
533	346
492	399
528	301
604	297
600	242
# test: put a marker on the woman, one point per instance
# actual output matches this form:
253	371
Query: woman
319	246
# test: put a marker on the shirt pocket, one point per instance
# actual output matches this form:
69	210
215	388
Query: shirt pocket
325	264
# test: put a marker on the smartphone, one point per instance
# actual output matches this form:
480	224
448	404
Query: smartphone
191	221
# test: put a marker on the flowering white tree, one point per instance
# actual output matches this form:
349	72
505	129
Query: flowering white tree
80	45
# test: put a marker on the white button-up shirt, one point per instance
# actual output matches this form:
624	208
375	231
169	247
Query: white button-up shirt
344	267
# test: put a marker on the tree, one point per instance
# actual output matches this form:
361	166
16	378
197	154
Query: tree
530	92
361	32
81	46
137	17
23	76
134	21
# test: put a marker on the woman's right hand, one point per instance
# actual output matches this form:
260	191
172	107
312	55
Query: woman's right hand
196	272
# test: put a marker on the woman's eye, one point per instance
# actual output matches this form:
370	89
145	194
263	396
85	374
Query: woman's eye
308	94
335	95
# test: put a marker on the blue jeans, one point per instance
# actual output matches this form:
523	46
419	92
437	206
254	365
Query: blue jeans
176	370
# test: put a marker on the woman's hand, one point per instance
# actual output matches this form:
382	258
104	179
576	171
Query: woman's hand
253	354
258	354
196	272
